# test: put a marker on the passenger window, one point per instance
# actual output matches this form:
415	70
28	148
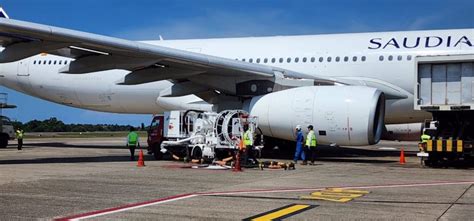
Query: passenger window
281	60
304	59
265	60
65	62
346	58
313	59
251	60
60	62
399	57
258	60
354	58
409	57
296	60
363	58
338	59
50	62
243	59
34	62
390	57
273	60
329	59
54	62
288	60
321	59
381	58
44	62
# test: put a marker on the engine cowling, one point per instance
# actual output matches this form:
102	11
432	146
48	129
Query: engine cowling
403	132
343	115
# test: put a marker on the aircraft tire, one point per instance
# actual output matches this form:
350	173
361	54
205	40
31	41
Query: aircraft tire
157	154
3	140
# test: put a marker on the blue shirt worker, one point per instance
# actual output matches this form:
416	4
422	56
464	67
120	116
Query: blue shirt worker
132	142
299	153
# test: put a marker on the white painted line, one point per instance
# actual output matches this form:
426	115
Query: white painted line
187	196
125	208
344	187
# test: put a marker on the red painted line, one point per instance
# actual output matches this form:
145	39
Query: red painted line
97	212
277	190
344	187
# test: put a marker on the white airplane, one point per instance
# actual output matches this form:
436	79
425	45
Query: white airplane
348	85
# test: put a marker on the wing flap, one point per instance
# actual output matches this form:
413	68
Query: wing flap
146	62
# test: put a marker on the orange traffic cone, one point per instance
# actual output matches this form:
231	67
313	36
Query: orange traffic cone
141	161
402	157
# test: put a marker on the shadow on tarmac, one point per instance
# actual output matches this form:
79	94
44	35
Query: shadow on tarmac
64	145
341	154
92	159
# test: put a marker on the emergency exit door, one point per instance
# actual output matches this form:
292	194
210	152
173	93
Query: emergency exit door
23	75
23	68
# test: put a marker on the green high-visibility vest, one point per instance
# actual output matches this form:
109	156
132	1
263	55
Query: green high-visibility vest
132	138
19	134
248	138
425	138
311	139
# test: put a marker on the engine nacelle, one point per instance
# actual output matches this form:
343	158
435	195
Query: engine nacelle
343	115
403	132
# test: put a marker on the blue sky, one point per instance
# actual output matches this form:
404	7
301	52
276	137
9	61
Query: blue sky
147	19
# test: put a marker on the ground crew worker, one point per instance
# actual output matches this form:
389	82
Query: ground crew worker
19	137
132	142
299	153
248	143
425	137
310	145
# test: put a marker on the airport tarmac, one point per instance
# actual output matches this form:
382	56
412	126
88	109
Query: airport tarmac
92	178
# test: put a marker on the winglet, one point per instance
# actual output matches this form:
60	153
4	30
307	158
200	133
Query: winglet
3	14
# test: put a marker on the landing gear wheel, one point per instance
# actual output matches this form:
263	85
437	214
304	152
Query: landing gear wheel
3	140
157	154
196	153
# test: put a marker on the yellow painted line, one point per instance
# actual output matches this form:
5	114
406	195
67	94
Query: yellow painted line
326	198
449	145
341	190
459	146
282	212
429	147
334	194
439	145
339	195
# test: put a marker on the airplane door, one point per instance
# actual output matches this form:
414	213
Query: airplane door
23	75
23	68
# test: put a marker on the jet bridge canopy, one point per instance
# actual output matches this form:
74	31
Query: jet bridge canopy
444	83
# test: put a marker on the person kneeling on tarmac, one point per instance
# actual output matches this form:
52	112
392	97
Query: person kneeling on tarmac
276	165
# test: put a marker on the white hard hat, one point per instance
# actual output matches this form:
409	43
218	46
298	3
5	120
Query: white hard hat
298	127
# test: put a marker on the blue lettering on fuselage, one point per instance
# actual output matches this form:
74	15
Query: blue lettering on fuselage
419	42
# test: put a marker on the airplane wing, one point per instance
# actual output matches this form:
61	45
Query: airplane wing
146	62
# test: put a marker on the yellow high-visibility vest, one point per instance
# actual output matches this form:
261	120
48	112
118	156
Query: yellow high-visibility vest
311	139
248	138
425	138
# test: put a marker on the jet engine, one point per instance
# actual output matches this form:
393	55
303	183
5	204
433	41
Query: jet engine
342	115
403	132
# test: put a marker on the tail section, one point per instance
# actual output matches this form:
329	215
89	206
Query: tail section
3	14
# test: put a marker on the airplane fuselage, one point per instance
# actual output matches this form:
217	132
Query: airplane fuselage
383	60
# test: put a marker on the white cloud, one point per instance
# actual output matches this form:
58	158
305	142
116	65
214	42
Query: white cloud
423	22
